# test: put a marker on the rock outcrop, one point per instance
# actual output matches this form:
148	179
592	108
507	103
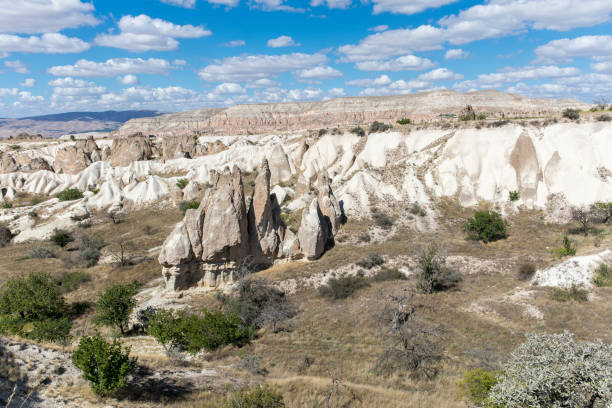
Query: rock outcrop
229	234
126	150
73	159
175	147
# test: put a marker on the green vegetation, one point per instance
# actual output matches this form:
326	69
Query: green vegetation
256	397
189	205
568	249
481	116
572	114
386	274
604	118
105	365
376	127
371	261
32	306
70	281
115	305
15	147
552	370
526	271
476	386
70	194
182	183
404	121
61	237
603	276
605	210
574	293
486	226
381	219
7	204
342	288
41	253
434	276
358	130
514	195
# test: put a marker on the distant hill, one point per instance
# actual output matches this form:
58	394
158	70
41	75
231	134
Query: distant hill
55	125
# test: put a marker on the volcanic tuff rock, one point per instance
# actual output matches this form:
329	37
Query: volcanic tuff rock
222	237
261	118
129	149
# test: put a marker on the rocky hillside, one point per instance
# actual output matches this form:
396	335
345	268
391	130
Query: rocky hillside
265	118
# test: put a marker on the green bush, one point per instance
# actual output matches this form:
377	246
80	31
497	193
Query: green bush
371	261
61	237
603	276
115	305
342	288
41	253
70	281
182	183
381	219
194	333
567	249
572	114
552	370
104	365
256	397
604	209
514	195
486	226
575	292
33	307
604	118
526	271
404	121
476	385
89	256
7	204
433	275
188	205
358	131
481	116
379	127
386	274
70	194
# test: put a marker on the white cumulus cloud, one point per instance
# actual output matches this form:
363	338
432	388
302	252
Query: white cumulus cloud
50	43
456	53
112	67
565	49
407	6
321	72
128	79
28	82
282	41
44	16
16	66
404	63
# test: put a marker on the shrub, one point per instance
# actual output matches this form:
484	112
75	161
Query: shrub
116	304
379	127
70	281
476	385
486	226
104	365
603	276
604	118
7	204
182	183
514	195
381	219
61	237
603	210
342	288
256	397
322	132
567	249
15	147
434	276
70	194
358	131
41	253
572	114
404	121
574	293
552	370
90	256
386	274
33	307
498	123
371	261
416	209
526	271
188	205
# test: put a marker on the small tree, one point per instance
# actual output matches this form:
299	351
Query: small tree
182	183
603	211
433	274
552	370
414	344
486	226
61	237
120	251
476	386
116	304
105	365
572	114
583	217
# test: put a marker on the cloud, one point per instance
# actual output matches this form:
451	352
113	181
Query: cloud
440	74
235	43
16	66
282	41
275	5
179	62
263	83
6	92
565	49
47	44
508	75
143	33
405	63
336	92
269	95
28	82
112	67
128	79
320	72
603	66
584	86
332	4
407	6
380	81
229	88
44	16
381	27
456	53
67	89
253	67
181	3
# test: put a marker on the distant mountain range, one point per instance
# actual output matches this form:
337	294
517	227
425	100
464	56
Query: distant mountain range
55	125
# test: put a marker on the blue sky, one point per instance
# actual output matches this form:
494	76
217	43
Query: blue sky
173	55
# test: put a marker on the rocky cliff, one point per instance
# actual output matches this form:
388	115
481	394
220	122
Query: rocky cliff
262	118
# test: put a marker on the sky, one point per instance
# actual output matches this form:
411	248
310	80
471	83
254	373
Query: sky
176	55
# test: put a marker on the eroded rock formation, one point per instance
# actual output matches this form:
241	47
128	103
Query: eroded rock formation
126	150
228	232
